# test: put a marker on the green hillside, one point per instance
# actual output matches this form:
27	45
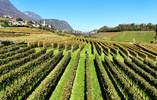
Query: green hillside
140	36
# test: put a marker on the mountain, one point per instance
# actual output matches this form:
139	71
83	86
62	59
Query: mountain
32	15
6	8
57	24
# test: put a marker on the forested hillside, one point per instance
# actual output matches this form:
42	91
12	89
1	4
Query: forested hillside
129	27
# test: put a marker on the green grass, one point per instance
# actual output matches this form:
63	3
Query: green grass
129	81
101	58
59	89
140	36
38	49
110	57
78	91
135	86
24	30
79	82
4	19
96	91
55	51
47	77
120	57
27	74
22	77
105	35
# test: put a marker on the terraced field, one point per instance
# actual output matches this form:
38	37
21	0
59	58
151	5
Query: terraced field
78	69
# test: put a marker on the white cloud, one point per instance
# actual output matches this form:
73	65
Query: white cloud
96	26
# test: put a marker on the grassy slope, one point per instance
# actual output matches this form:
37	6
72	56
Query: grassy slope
79	83
140	36
24	30
105	34
47	77
3	35
96	91
25	75
4	19
101	58
59	89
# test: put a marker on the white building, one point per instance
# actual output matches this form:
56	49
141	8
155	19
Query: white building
36	25
49	26
44	23
21	22
0	25
33	21
15	22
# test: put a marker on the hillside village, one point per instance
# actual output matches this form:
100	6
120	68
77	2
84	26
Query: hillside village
77	32
15	22
18	22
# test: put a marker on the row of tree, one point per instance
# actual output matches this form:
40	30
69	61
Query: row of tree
129	27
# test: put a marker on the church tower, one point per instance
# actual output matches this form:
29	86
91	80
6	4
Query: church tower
44	23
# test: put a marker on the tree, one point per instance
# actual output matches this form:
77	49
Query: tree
149	25
30	22
19	19
5	23
52	27
26	21
133	24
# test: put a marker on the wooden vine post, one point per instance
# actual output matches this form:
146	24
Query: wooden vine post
43	45
38	44
27	43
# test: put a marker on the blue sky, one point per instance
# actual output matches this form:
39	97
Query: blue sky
86	15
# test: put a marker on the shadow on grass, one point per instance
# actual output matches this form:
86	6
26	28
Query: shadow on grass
113	82
39	82
103	91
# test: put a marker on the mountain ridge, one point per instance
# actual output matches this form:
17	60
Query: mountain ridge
57	24
6	8
32	15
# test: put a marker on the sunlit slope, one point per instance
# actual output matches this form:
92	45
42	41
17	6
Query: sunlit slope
24	30
139	36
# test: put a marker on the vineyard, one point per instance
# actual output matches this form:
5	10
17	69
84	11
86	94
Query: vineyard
24	30
139	36
53	67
